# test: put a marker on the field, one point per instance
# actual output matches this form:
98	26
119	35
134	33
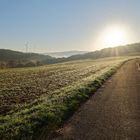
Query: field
45	96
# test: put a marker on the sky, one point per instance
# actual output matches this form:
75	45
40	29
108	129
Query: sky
63	25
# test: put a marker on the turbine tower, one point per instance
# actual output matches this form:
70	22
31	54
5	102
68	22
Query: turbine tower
27	46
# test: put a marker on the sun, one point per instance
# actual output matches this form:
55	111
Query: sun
114	36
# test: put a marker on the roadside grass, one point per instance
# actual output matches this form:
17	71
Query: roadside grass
47	115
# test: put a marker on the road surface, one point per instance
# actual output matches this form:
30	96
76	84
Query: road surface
112	113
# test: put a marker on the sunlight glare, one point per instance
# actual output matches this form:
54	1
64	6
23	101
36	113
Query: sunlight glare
114	36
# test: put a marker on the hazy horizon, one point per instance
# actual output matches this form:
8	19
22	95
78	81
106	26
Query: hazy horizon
56	26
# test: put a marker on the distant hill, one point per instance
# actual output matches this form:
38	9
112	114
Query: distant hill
131	49
9	58
6	55
65	53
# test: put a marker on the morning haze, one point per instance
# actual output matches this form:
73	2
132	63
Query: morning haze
69	70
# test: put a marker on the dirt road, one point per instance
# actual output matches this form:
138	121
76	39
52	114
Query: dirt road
112	113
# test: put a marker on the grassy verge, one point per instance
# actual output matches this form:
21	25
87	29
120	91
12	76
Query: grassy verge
52	111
